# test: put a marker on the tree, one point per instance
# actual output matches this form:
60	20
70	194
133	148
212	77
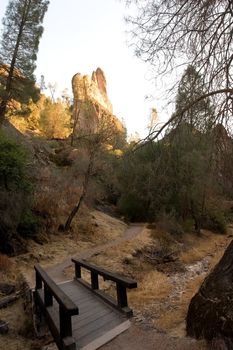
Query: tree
12	164
55	119
94	144
201	114
22	31
169	33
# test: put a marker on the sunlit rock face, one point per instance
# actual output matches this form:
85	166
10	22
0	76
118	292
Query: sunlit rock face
91	101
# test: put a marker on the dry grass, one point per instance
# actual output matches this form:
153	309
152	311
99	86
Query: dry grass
113	258
89	229
97	227
154	297
152	287
207	243
173	320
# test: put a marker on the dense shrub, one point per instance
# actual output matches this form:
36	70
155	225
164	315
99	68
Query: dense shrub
12	164
168	223
215	221
29	224
15	198
132	207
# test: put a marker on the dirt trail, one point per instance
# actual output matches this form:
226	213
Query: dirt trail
57	272
138	337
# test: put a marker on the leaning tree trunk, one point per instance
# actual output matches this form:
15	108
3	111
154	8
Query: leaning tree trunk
210	313
84	191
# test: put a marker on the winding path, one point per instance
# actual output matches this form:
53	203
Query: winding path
56	272
137	337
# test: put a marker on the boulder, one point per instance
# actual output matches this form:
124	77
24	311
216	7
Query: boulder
210	313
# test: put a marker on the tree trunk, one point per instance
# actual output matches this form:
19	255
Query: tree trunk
73	213
7	92
210	313
84	192
195	217
2	112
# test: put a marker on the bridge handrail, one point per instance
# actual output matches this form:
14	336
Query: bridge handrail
67	308
127	282
57	293
121	284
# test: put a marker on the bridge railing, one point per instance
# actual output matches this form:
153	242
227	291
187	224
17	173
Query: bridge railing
122	283
67	308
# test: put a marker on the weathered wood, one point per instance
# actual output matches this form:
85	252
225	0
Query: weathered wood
127	282
58	294
94	280
4	302
210	313
109	335
121	296
67	308
94	325
48	297
107	298
38	280
121	284
77	271
65	322
52	318
7	288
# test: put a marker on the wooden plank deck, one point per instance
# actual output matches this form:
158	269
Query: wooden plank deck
97	322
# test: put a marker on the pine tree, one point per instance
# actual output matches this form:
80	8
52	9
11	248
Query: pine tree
22	31
200	114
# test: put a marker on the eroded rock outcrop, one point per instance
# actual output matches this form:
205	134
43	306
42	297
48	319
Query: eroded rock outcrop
91	102
210	313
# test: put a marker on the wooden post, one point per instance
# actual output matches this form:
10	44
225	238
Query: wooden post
77	271
48	297
38	281
121	296
94	280
65	323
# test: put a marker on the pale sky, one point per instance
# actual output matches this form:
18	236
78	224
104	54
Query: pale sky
81	35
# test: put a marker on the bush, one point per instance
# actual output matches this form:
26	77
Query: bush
188	225
168	223
12	164
29	224
132	207
215	221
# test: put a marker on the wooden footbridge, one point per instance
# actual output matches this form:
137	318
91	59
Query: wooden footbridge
80	315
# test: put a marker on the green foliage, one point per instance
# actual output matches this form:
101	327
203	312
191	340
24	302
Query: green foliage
29	224
12	165
199	115
21	34
169	223
22	31
215	221
181	174
130	205
55	120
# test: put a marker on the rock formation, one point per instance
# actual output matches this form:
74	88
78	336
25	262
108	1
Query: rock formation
210	313
91	102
